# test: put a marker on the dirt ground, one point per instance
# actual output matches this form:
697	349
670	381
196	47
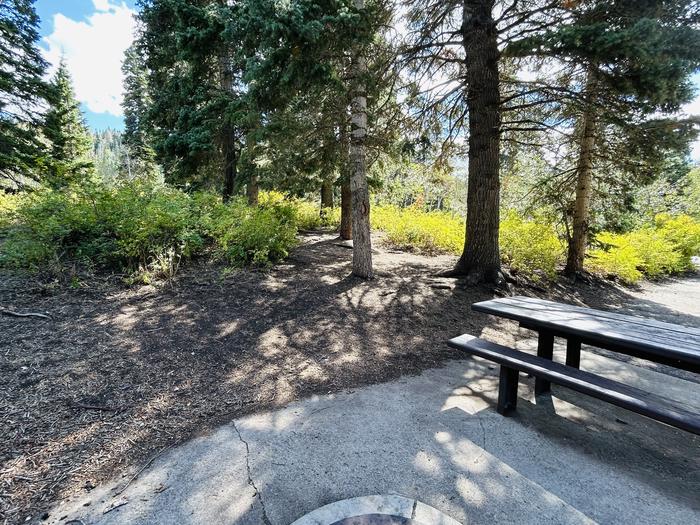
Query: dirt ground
119	373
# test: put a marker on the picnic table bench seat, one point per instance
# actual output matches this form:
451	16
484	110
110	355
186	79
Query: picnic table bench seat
513	361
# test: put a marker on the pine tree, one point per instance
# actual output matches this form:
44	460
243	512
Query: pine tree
626	64
139	157
625	58
22	92
64	127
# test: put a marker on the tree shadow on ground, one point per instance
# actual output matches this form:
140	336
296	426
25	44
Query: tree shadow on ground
175	362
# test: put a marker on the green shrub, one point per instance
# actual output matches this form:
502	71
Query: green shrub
530	247
8	209
663	249
657	255
259	235
132	227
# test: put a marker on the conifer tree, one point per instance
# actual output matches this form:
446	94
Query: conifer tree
624	58
22	93
138	158
69	138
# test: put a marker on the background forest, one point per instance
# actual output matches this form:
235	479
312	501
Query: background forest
553	127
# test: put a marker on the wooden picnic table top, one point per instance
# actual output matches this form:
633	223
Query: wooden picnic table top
659	341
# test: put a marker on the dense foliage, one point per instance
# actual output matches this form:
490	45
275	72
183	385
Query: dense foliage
140	229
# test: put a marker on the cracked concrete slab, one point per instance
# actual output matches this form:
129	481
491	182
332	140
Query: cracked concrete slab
435	438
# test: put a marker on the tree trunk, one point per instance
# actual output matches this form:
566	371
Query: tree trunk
230	165
228	140
584	185
252	190
345	211
326	194
345	193
480	260
362	242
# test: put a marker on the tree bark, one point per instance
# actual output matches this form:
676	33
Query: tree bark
345	211
326	194
480	259
345	193
584	184
252	190
228	139
362	242
230	165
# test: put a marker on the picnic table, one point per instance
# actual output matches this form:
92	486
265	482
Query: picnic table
666	343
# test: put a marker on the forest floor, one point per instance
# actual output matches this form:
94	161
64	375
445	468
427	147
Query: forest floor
119	373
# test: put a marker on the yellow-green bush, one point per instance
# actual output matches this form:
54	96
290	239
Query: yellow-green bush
683	232
616	257
127	227
530	246
259	235
8	206
412	228
663	249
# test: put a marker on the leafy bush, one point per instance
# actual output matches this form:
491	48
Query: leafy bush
412	228
258	235
530	247
130	227
141	228
663	249
309	216
616	257
683	232
8	207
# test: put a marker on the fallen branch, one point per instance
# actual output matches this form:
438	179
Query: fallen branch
18	314
145	466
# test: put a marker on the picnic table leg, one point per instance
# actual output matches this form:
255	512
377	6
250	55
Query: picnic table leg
507	391
573	352
545	348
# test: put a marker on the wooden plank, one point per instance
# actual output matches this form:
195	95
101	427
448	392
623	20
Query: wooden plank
663	342
590	319
613	392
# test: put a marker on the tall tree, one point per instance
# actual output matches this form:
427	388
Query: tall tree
71	142
22	93
195	78
467	55
362	241
139	155
622	69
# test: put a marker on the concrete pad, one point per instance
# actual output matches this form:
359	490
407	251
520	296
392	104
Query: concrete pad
434	438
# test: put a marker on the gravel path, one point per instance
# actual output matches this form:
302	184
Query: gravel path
679	297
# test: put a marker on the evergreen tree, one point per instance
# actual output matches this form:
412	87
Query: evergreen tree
623	58
625	63
70	140
199	112
139	155
22	93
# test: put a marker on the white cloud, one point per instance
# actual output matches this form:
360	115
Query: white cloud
93	50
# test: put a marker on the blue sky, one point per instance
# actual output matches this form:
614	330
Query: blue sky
93	34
